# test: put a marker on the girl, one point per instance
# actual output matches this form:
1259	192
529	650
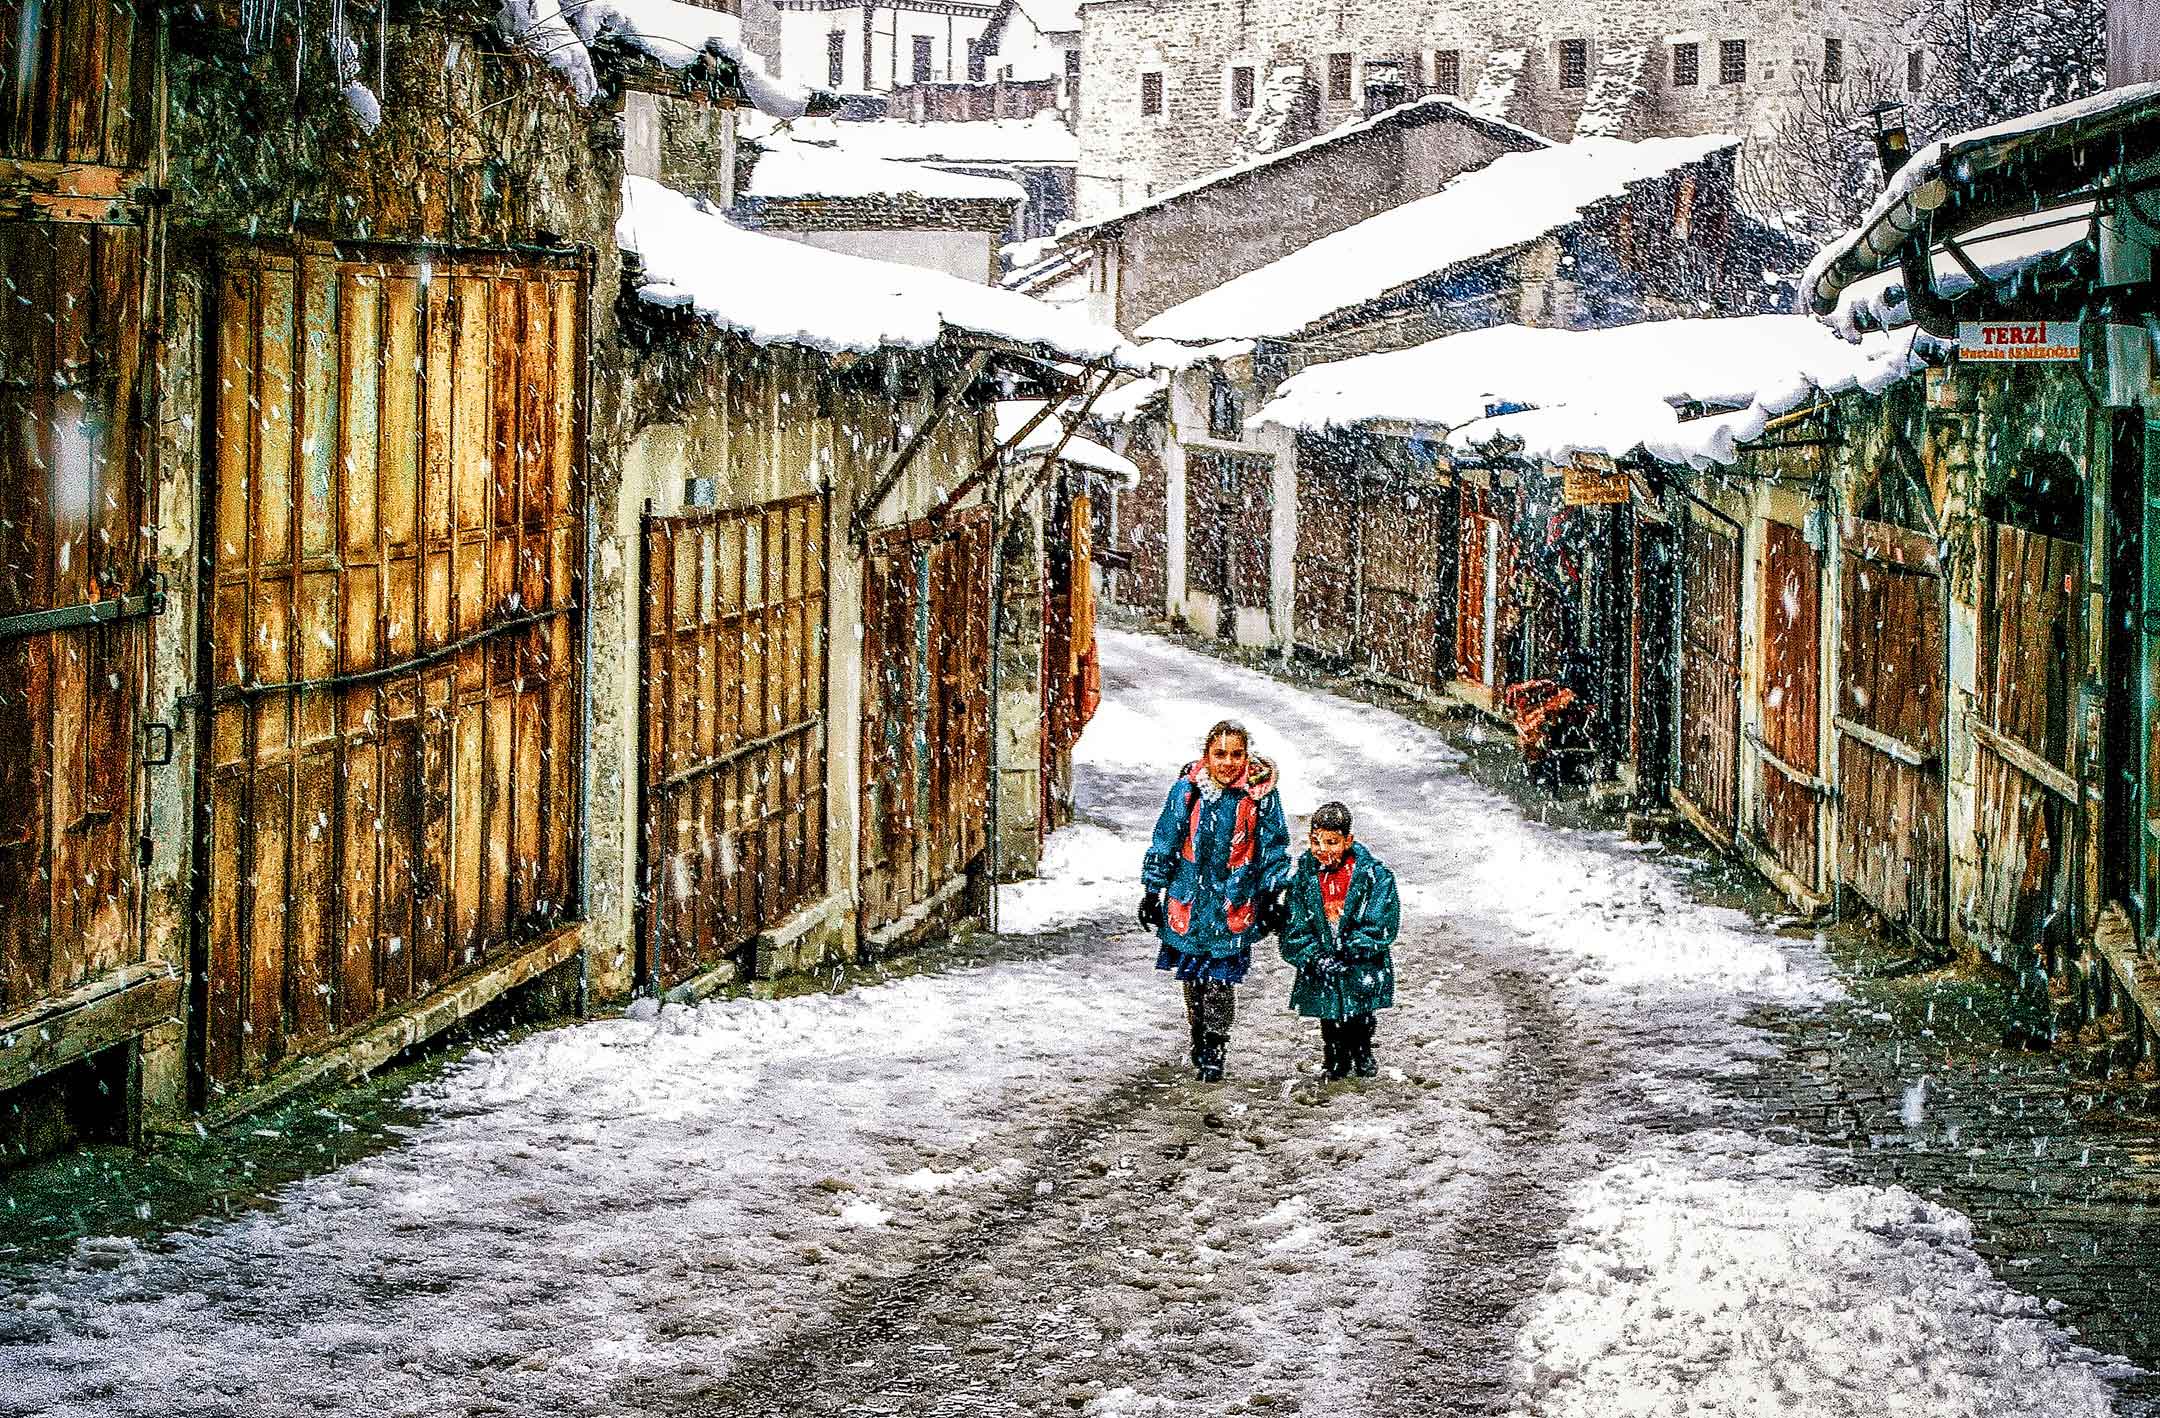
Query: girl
1344	915
1221	852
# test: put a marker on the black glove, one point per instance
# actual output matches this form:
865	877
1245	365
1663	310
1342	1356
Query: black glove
1151	910
1274	910
1326	968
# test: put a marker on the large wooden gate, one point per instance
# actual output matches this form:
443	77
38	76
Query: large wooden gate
1709	768
390	639
926	711
1327	561
77	107
1229	521
1407	594
1790	747
733	713
2030	666
1893	817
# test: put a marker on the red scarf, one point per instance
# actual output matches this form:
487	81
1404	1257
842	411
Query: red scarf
1335	887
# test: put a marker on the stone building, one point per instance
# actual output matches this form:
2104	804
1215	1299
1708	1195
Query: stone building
1153	254
1178	88
868	46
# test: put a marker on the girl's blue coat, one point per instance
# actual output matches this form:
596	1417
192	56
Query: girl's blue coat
1212	886
1363	939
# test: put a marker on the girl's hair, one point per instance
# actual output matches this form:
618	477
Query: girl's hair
1229	728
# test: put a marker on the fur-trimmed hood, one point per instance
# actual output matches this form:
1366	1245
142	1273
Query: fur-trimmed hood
1258	782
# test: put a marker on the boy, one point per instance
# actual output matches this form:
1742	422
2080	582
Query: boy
1344	915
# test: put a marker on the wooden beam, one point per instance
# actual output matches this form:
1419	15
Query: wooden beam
1882	743
2031	764
889	476
112	1009
377	1043
997	455
1057	451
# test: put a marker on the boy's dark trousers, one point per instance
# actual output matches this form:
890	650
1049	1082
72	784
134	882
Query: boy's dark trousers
1346	1047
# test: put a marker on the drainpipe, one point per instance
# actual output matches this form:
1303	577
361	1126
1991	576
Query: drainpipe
997	644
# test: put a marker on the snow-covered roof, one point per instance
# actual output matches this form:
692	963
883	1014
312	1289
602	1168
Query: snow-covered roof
788	167
2000	249
1422	110
774	291
1080	452
562	33
1921	184
1515	198
1041	141
1128	399
1605	391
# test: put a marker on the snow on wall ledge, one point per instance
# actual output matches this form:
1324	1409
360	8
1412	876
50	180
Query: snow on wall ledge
774	291
562	33
1609	391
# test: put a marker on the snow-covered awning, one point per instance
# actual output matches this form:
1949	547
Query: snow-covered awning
789	168
773	291
1514	199
1128	399
2003	252
1940	176
1014	415
1549	394
564	34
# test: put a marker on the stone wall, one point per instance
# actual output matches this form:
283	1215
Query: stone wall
1187	246
1127	156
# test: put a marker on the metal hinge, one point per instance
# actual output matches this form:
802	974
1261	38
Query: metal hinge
147	600
160	733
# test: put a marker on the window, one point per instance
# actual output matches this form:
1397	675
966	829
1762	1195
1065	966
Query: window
1241	90
1226	411
1833	61
1574	63
1338	78
1150	95
1732	61
835	59
922	59
1915	70
978	65
1447	71
1072	73
1686	65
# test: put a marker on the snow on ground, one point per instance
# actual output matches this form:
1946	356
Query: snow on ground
664	1214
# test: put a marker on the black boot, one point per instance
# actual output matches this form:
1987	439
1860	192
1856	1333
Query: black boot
1361	1054
1334	1051
1214	1053
1193	1025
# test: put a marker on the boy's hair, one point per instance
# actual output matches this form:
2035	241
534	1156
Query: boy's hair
1229	728
1331	817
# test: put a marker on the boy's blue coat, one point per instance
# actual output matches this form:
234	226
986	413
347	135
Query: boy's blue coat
1362	939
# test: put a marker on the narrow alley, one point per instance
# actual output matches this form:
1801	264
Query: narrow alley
993	1187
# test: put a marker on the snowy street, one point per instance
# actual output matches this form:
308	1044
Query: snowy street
995	1188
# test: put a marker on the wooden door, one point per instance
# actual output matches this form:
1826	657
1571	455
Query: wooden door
1406	536
926	711
1482	567
1892	716
391	636
1327	563
1709	766
732	823
75	596
1790	751
77	127
2028	795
